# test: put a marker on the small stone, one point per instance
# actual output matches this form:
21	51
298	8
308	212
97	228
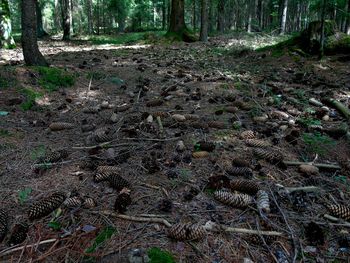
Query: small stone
114	117
283	127
325	118
104	105
308	169
262	118
179	117
180	146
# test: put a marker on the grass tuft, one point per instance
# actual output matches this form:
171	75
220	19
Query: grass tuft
157	255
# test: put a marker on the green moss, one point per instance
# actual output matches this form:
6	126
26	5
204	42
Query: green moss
52	79
317	143
157	255
127	38
30	95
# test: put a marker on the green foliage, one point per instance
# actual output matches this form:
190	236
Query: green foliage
23	195
4	133
30	95
55	225
157	255
123	39
318	143
102	237
38	152
52	79
308	121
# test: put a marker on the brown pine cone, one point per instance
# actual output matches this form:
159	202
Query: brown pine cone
257	240
46	206
3	224
240	171
54	156
118	182
123	201
200	154
235	200
104	172
340	211
154	103
257	143
205	146
240	162
249	134
245	186
186	232
89	203
217	124
192	117
18	234
263	201
268	154
72	202
59	126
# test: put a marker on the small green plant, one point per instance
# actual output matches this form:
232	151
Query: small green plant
4	133
102	237
156	255
308	121
55	225
52	79
38	152
23	195
255	112
318	143
30	95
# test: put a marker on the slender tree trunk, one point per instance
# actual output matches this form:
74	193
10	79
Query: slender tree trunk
31	53
66	18
71	21
6	39
39	21
284	16
164	15
251	10
89	16
194	21
348	23
211	17
204	21
322	38
221	16
177	18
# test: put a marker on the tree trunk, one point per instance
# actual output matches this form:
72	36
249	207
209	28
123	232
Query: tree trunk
322	38
211	17
251	11
177	22
89	16
39	21
6	39
71	21
348	23
31	53
66	18
204	21
221	14
284	16
194	22
164	15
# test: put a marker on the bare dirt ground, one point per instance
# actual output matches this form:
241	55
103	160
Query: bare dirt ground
226	93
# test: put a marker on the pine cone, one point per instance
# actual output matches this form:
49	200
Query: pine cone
257	143
217	124
161	114
54	156
199	125
154	103
263	201
269	155
191	117
104	172
205	146
72	202
257	240
245	186
235	200
104	135
240	171
201	154
249	134
3	224
340	211
18	234
118	182
89	203
186	232
123	201
239	162
59	126
45	206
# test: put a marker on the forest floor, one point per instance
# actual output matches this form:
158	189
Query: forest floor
211	93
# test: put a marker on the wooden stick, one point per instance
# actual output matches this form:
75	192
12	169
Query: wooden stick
304	188
134	218
319	165
211	226
340	107
160	124
14	249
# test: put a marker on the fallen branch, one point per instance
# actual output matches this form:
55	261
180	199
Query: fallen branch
304	189
340	107
15	248
319	165
211	226
134	218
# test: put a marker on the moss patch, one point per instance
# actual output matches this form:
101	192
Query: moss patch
157	255
52	79
30	95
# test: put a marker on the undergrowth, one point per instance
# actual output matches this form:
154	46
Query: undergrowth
157	255
318	143
31	95
52	79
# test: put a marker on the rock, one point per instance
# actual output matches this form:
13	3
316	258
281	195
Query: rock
180	146
104	105
179	117
138	256
308	169
325	118
262	118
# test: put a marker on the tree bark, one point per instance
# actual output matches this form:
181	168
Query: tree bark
89	16
66	18
221	14
194	15
322	38
284	16
177	22
348	23
211	17
204	21
164	18
31	53
6	39
39	21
